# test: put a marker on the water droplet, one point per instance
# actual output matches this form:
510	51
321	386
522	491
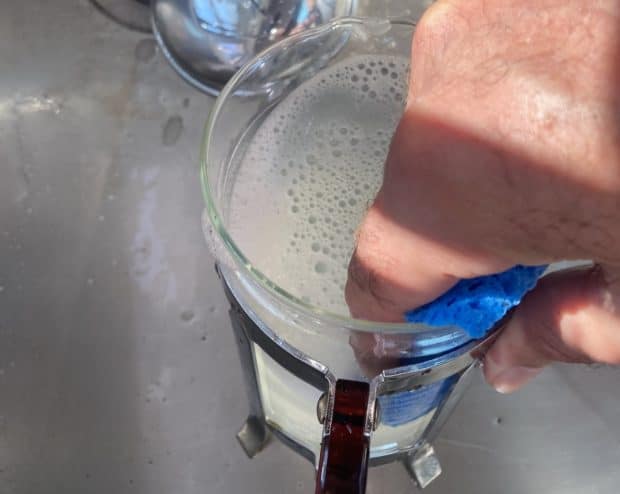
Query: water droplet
187	315
315	247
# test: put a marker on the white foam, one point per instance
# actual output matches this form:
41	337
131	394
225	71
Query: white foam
309	172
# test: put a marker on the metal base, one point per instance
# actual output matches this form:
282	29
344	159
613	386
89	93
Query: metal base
423	465
253	436
206	47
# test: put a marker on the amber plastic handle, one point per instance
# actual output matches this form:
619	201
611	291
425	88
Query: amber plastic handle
343	463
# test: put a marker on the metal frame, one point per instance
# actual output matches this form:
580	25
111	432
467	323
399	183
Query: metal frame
420	460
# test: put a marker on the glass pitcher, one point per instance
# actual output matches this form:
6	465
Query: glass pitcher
346	393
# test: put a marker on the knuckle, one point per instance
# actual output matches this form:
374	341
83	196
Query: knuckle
369	271
379	289
357	272
434	17
441	17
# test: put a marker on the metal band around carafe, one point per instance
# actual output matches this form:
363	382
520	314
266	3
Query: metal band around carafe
389	381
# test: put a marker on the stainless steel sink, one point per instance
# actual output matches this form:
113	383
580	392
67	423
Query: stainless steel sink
118	370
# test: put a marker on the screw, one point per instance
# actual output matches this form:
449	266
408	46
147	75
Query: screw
321	408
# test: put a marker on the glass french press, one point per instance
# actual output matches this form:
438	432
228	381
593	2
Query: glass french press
345	393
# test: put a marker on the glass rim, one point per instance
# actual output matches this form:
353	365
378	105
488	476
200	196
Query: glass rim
218	225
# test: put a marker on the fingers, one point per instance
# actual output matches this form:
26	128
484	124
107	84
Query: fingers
396	267
570	317
391	271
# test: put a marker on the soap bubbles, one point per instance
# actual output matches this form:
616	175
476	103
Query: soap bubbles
309	173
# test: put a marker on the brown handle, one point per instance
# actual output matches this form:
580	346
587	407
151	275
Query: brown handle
343	463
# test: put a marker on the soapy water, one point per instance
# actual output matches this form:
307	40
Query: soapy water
310	171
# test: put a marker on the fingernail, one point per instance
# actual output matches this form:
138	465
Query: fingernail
511	379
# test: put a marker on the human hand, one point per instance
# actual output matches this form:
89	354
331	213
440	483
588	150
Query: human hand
508	153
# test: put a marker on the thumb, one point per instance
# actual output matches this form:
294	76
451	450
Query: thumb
390	271
572	316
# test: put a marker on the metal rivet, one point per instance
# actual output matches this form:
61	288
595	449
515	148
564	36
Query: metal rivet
321	408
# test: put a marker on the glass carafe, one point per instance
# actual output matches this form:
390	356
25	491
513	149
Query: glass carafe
309	382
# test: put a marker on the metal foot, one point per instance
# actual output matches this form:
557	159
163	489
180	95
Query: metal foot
423	465
253	436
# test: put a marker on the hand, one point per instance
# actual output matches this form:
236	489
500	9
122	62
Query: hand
508	153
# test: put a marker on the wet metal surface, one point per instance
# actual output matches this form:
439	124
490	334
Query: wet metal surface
118	368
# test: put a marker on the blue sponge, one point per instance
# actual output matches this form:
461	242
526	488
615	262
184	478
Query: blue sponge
476	304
